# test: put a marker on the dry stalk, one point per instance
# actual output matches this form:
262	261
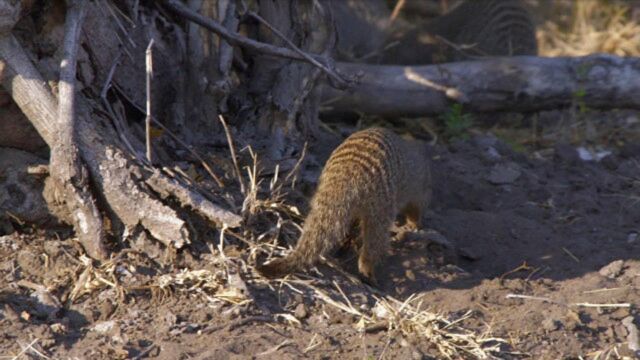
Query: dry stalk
147	120
234	158
396	10
598	27
449	337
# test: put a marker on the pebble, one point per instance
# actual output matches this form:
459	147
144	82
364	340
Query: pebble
566	153
505	173
550	324
410	275
613	270
300	311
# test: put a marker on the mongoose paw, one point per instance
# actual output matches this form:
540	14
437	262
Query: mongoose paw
367	273
275	269
369	280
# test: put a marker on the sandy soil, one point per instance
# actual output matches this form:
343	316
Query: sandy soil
557	230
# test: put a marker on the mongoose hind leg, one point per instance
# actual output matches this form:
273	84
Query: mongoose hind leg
353	240
375	242
414	210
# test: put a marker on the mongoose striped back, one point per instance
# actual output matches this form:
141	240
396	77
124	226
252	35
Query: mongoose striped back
475	28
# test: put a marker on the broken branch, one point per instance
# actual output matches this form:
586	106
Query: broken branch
239	40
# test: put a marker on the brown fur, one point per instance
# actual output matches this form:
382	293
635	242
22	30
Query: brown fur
369	178
483	27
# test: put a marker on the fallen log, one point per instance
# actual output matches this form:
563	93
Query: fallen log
520	84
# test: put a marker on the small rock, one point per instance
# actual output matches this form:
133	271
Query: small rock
9	241
170	318
633	337
566	153
610	332
10	314
492	154
25	316
53	248
613	270
505	173
436	237
585	154
106	308
45	335
47	306
140	241
632	237
58	328
410	275
300	312
550	324
104	326
29	262
485	140
573	321
468	253
380	311
610	162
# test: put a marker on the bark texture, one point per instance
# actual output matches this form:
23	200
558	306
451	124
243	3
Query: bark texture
523	83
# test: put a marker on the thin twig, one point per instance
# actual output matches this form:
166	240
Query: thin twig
340	81
236	39
112	70
591	305
575	258
25	349
583	304
606	290
174	137
233	154
147	120
396	10
145	352
296	167
528	297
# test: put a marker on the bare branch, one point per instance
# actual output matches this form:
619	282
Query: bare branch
341	82
171	187
68	171
239	40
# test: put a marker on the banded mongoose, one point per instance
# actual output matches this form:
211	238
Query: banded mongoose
368	179
475	28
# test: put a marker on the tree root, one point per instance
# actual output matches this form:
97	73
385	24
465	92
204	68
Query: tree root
108	175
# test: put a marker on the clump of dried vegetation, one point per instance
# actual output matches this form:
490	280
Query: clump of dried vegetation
595	27
228	274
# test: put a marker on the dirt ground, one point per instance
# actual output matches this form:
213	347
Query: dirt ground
518	251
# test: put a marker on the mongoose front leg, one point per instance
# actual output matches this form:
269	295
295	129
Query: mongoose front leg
413	215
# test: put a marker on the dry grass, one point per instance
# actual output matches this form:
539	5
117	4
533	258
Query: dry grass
270	219
596	27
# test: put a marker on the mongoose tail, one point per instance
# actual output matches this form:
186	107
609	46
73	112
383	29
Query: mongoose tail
323	229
